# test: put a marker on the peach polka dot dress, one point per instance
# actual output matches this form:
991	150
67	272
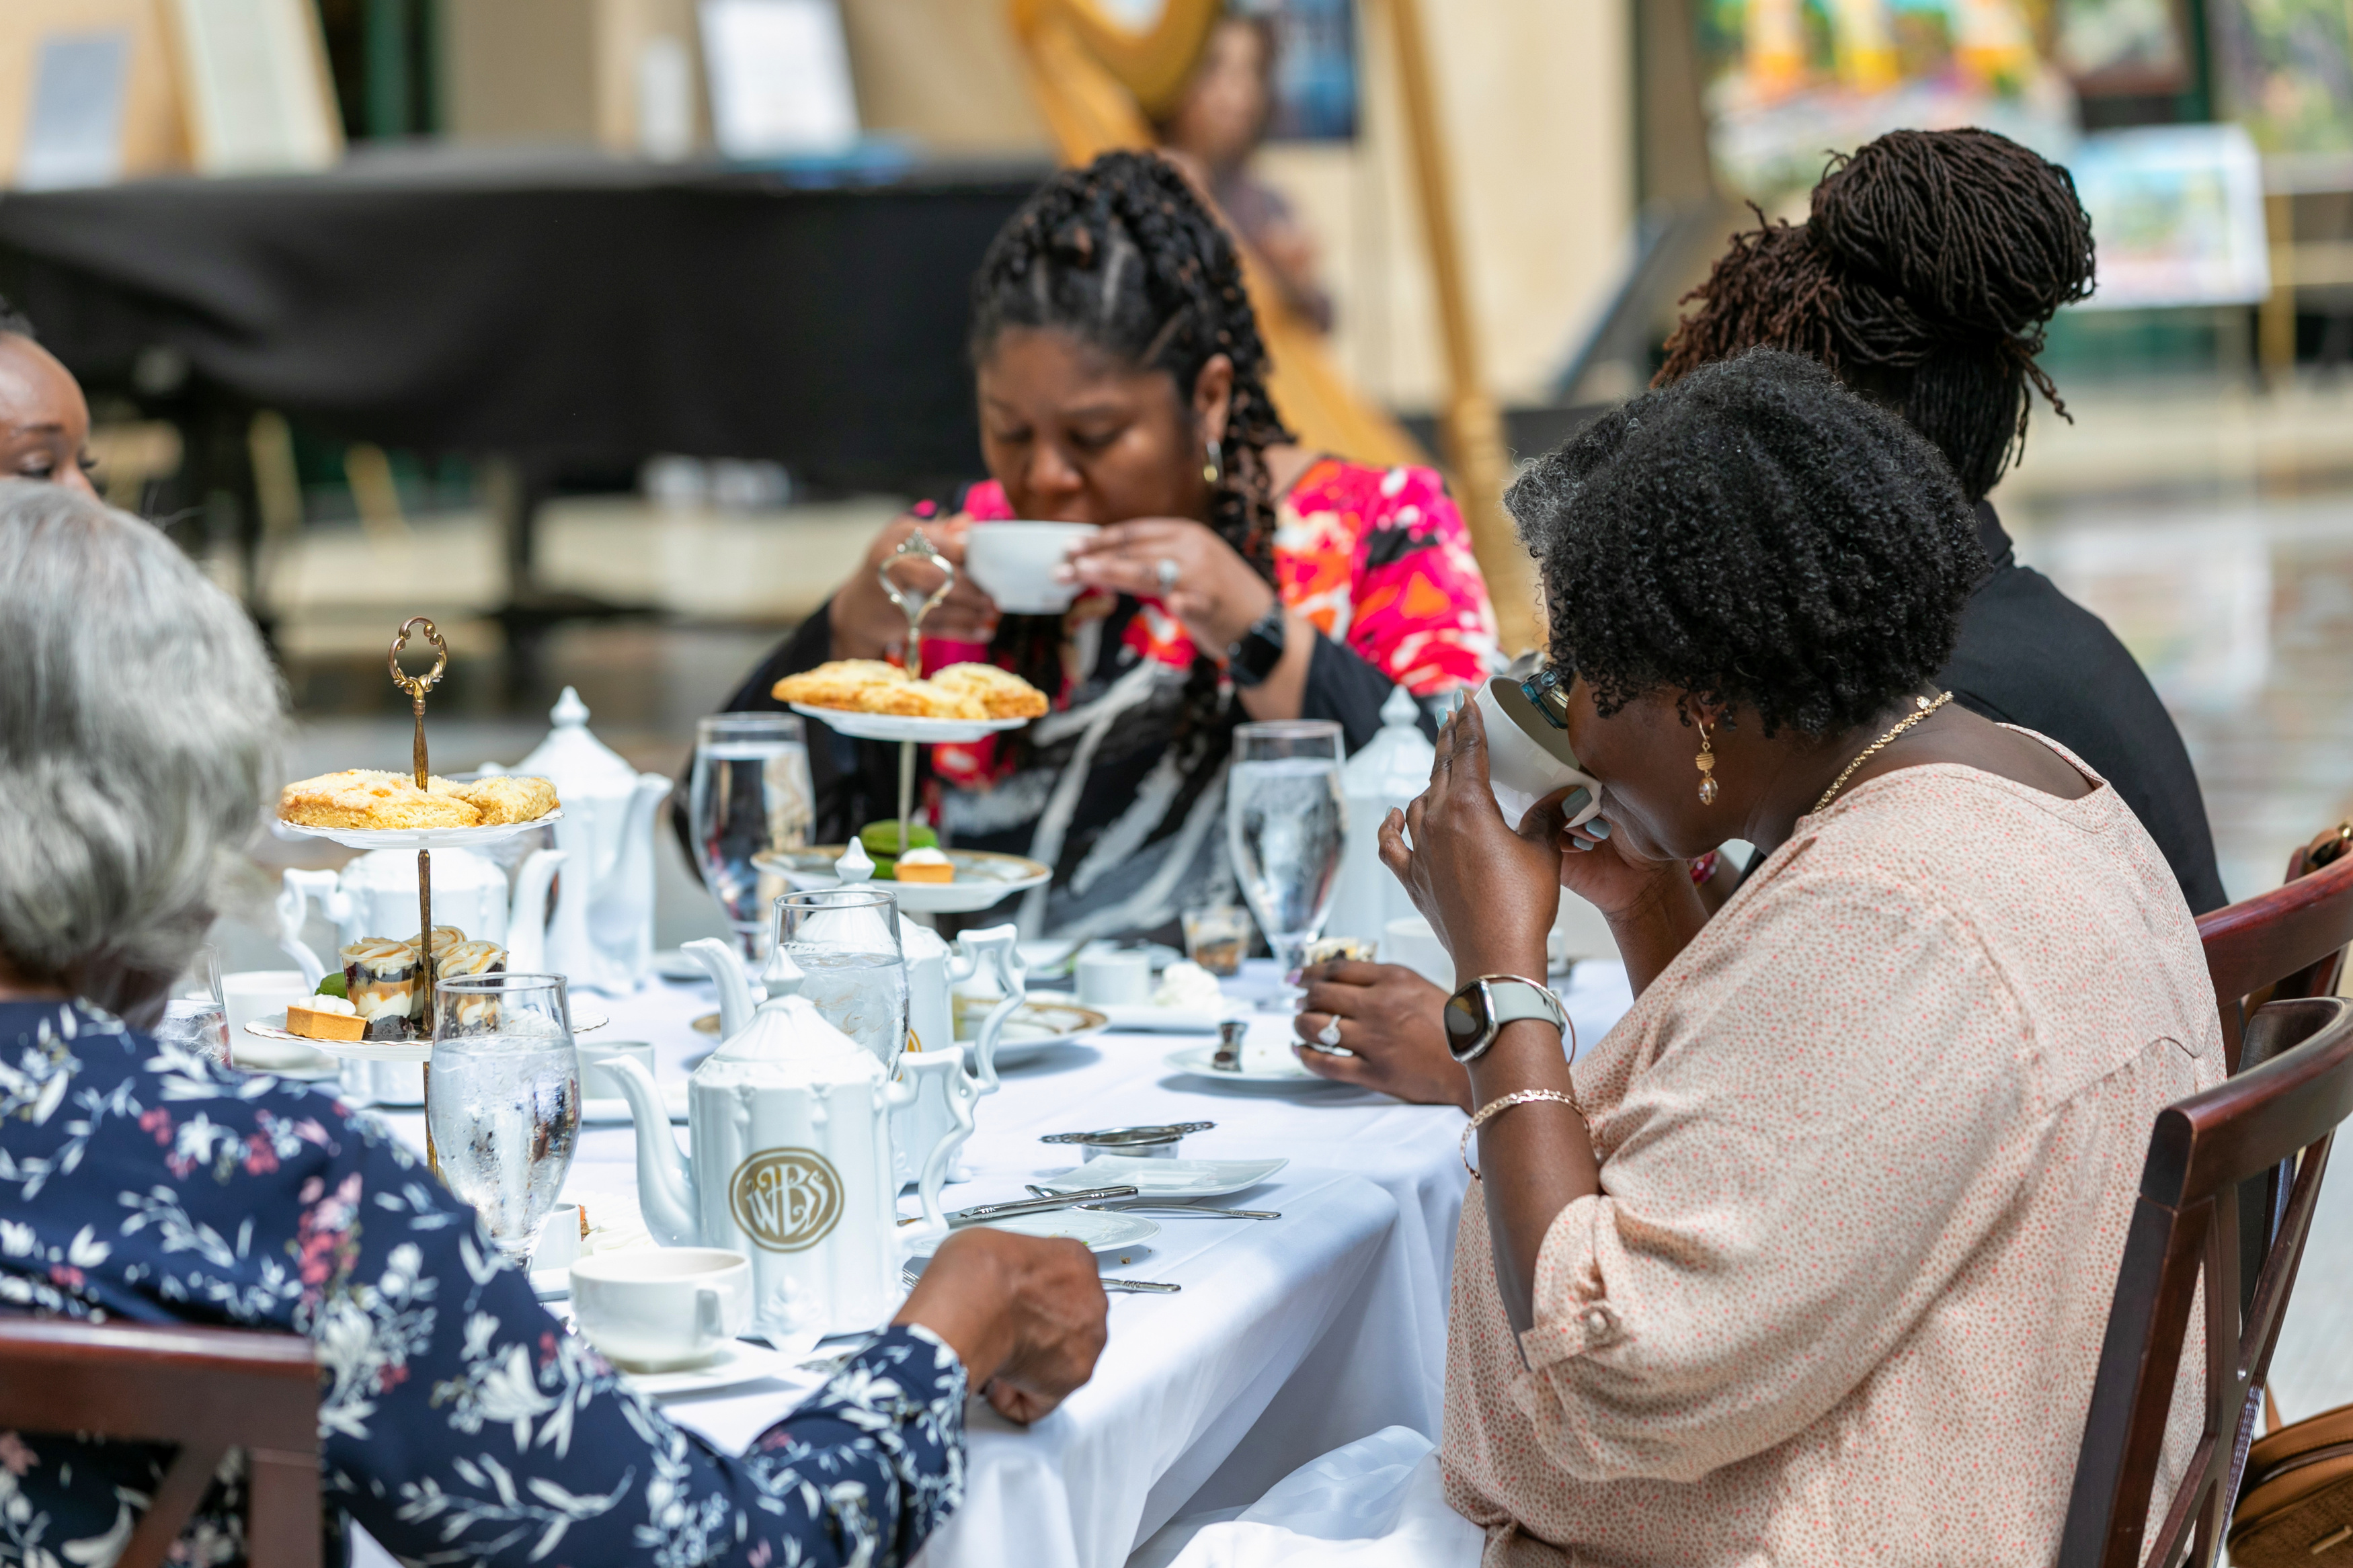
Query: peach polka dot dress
1869	1148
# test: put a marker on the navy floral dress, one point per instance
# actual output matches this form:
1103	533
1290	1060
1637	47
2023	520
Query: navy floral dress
460	1422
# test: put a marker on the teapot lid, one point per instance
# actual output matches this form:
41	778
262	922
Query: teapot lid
1395	763
916	939
570	757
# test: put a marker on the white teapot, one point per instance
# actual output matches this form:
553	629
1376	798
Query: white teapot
602	935
790	1121
375	895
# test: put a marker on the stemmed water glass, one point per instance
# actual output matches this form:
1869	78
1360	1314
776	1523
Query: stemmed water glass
749	796
845	943
1286	826
503	1099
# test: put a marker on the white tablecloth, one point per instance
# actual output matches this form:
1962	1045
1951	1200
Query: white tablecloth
1292	1337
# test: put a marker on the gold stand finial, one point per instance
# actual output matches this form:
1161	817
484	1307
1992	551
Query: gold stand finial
416	686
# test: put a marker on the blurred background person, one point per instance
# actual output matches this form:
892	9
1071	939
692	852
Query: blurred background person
44	420
1217	124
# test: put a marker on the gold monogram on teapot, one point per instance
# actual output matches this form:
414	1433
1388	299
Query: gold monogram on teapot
786	1199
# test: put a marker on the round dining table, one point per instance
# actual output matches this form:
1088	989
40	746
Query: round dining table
1288	1338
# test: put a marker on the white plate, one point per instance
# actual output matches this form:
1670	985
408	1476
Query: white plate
617	1111
738	1362
1101	1230
905	726
1196	1061
1166	1178
983	878
1036	1026
414	838
273	1027
310	1073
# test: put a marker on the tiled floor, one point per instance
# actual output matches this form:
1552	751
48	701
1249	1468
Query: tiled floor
2213	528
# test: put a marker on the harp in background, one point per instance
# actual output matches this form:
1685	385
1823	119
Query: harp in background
1100	81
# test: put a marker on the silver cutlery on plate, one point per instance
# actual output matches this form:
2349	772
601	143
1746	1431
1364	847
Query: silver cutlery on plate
1149	1207
1043	1203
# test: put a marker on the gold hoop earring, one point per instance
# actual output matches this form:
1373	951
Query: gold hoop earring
1213	465
1705	761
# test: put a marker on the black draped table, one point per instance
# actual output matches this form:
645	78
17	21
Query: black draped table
554	309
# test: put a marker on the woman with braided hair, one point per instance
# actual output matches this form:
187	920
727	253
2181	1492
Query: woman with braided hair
1237	574
1924	278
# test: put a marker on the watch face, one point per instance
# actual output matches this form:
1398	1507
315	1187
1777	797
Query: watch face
1463	1024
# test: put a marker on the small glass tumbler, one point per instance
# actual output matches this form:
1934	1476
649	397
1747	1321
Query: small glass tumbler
845	940
1218	937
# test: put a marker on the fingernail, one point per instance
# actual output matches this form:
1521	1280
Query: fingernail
1599	828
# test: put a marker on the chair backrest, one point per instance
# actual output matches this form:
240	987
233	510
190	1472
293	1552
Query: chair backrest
2284	944
207	1390
2284	1105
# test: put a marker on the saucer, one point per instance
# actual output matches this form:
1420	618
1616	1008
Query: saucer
1198	1061
737	1362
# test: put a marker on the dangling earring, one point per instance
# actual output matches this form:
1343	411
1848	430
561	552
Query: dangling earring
1705	761
1213	467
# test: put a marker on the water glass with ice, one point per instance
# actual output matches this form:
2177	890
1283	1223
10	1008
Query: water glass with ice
503	1099
845	941
749	795
1286	827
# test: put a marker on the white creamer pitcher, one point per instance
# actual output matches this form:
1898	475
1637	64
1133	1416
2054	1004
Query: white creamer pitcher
790	1121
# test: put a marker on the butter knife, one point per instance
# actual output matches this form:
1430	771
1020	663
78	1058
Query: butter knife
982	1213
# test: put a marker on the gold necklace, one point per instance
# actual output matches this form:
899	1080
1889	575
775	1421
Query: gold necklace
1925	708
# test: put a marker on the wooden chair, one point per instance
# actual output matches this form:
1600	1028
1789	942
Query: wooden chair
2284	944
207	1390
2284	1106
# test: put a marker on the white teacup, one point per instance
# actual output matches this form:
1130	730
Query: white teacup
597	1079
655	1309
1528	760
1115	977
1412	942
1013	562
250	994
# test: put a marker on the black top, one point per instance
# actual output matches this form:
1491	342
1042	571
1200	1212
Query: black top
2031	656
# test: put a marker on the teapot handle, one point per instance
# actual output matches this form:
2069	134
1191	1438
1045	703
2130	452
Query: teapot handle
294	895
995	948
963	1094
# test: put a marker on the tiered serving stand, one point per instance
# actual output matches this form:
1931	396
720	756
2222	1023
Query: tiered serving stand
982	878
423	840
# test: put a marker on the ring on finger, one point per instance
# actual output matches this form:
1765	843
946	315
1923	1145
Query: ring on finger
1328	1037
1168	572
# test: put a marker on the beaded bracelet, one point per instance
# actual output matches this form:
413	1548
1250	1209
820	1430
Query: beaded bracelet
1505	1102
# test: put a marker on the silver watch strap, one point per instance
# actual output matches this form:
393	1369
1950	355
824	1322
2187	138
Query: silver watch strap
1512	999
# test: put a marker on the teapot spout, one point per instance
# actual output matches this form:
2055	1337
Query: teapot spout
665	1180
726	971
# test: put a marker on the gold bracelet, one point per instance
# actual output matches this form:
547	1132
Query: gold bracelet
1504	1102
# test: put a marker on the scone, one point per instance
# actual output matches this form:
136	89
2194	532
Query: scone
1005	694
367	797
839	684
921	700
503	797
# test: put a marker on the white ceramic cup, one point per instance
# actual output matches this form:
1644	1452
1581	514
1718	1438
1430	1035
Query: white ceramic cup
1528	760
1115	977
597	1079
1013	562
655	1309
1413	944
251	995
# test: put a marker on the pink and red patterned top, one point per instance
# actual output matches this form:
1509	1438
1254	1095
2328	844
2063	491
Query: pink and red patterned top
1377	559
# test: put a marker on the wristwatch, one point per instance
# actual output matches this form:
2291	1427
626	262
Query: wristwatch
1253	659
1478	1012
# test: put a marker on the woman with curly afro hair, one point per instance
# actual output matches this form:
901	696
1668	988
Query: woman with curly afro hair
1924	278
1237	575
1832	1213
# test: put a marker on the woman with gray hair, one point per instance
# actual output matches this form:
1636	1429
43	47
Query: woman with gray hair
139	724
